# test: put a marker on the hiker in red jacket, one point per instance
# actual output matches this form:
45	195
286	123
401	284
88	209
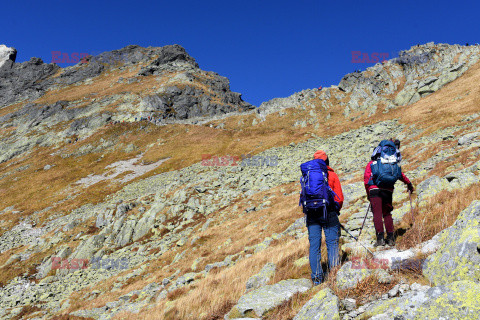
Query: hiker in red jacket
381	202
329	224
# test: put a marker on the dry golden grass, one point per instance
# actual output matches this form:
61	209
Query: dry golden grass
70	317
285	267
226	286
411	270
208	245
367	290
459	160
25	268
416	158
26	311
103	85
438	110
439	213
11	108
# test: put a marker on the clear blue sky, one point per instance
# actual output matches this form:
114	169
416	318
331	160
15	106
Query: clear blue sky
266	48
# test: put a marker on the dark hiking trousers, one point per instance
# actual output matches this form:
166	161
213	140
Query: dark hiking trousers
382	207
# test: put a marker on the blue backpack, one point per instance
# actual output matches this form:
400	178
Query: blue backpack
316	194
386	170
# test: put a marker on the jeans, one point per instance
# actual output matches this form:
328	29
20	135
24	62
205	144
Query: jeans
331	227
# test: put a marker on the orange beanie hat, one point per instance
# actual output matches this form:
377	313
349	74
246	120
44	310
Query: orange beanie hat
320	154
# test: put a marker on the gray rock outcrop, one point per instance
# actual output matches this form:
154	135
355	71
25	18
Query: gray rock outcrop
458	257
7	56
262	278
323	306
259	301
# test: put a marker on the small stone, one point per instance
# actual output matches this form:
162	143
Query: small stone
415	286
403	288
349	304
393	292
200	189
181	242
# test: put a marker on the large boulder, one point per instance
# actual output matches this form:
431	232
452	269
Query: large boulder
262	278
259	301
461	179
405	96
457	300
431	186
7	56
147	221
126	233
458	257
324	305
89	247
468	138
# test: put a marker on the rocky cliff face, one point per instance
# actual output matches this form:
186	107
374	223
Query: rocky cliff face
169	86
194	214
7	56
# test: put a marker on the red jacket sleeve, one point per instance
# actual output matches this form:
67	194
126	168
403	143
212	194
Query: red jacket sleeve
404	179
334	183
367	176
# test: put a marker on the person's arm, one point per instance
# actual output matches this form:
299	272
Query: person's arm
300	200
339	193
404	179
367	176
409	184
334	183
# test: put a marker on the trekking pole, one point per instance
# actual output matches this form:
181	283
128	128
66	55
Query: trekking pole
363	224
411	208
356	239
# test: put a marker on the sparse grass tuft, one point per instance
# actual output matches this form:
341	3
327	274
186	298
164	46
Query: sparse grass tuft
26	310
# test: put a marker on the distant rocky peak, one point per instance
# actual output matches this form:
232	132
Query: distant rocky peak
134	54
170	57
7	56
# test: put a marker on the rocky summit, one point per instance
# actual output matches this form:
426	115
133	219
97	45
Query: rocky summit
136	185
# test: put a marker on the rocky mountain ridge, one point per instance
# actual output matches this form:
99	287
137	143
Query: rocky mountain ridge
416	73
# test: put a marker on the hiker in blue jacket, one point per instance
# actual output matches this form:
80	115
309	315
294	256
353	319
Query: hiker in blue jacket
322	199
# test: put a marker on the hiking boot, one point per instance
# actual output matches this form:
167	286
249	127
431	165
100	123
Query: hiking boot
380	240
390	239
316	281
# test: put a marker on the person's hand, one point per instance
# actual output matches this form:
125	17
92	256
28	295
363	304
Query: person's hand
410	187
337	207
